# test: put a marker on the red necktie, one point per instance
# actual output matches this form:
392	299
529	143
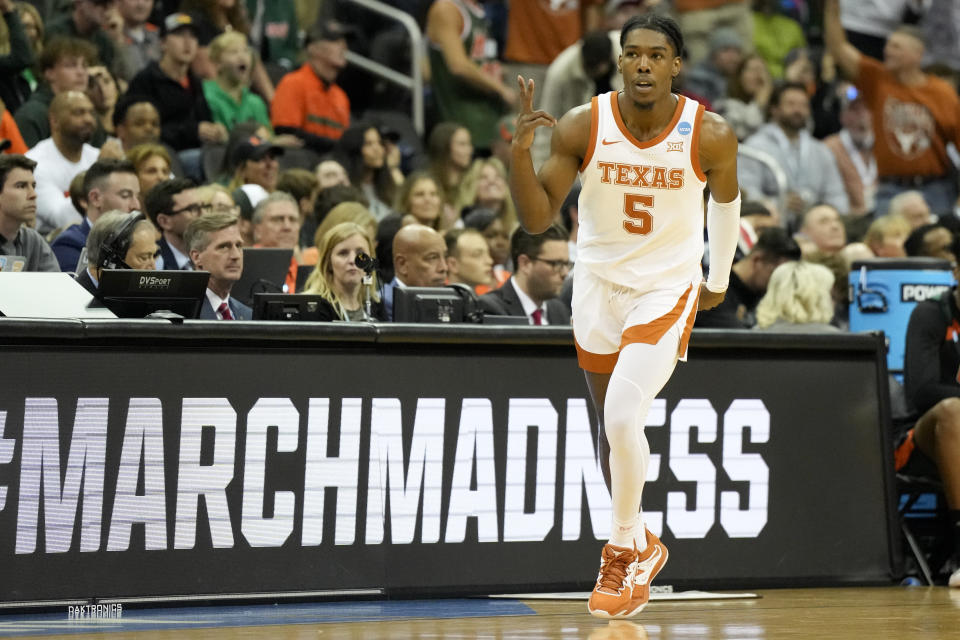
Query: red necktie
224	311
537	316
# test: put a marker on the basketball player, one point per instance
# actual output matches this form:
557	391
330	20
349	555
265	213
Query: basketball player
644	155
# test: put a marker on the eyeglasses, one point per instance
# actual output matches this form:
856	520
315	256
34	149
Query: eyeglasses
198	208
557	265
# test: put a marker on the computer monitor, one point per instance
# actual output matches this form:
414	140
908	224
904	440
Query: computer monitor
427	304
304	307
264	271
132	293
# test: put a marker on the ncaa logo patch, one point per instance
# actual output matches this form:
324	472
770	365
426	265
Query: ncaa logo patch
684	128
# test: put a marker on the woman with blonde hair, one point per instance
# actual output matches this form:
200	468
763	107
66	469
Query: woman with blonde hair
152	162
798	299
350	295
347	212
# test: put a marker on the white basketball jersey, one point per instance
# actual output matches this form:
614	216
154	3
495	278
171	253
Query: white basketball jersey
641	203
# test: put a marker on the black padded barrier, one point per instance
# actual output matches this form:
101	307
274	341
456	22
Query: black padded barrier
145	459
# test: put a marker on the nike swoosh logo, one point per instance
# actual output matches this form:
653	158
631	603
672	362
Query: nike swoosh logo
605	141
644	568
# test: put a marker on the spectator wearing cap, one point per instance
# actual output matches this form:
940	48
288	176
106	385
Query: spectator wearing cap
709	77
254	161
186	120
581	71
228	93
64	65
308	103
143	38
465	74
86	21
775	34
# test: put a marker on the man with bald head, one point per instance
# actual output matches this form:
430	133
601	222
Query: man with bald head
914	113
419	260
62	156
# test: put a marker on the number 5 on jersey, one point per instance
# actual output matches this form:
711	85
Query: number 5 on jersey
637	209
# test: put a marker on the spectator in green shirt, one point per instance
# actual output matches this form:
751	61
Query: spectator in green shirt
228	94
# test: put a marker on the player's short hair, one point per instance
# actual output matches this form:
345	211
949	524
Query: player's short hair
528	244
656	22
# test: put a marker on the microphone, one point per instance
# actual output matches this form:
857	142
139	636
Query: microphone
365	262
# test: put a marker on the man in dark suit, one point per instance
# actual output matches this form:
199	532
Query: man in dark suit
171	205
541	263
419	260
216	246
118	240
109	185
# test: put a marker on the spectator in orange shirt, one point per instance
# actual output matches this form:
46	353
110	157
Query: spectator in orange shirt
915	115
308	103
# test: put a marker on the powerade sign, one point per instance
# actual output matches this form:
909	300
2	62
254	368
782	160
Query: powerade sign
921	292
412	471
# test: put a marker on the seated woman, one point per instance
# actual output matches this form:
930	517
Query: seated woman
338	279
798	299
420	198
152	162
485	185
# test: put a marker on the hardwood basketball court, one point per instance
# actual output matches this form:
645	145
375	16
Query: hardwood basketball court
904	613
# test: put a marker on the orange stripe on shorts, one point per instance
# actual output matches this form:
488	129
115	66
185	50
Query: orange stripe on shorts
596	362
651	332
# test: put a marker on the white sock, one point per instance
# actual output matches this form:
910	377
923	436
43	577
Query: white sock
640	535
623	534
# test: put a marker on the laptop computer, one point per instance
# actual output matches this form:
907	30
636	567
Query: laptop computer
264	271
12	263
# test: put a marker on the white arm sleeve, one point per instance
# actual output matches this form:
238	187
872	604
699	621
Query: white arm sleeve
723	231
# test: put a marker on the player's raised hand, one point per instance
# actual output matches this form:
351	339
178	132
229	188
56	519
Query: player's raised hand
528	120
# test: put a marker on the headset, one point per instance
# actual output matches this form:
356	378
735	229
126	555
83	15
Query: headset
113	251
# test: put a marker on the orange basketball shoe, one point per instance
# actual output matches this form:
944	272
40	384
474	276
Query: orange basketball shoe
623	584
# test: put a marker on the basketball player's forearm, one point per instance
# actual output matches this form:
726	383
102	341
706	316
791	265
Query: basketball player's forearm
723	232
529	196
